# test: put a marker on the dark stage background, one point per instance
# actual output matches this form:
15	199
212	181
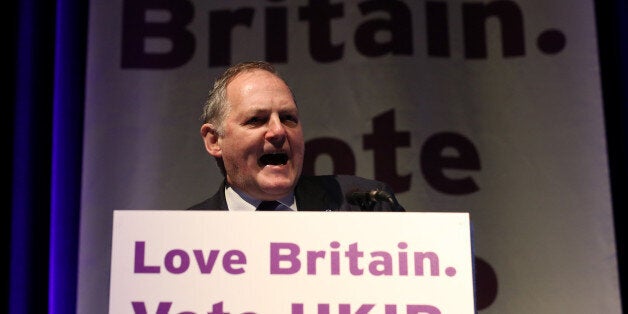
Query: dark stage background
42	123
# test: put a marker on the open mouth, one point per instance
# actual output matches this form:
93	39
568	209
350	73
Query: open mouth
275	159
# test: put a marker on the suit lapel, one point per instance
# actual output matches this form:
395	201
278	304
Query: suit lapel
313	194
218	201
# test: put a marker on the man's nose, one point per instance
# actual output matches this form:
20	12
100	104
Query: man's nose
276	130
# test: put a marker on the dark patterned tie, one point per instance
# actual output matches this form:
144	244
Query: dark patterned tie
268	205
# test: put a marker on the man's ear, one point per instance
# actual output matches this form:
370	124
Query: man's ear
210	137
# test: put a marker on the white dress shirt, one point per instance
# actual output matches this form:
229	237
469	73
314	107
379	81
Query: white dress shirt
240	201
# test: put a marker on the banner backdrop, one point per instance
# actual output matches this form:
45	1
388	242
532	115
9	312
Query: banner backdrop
293	263
488	107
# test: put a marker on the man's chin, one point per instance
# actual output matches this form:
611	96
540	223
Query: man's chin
277	186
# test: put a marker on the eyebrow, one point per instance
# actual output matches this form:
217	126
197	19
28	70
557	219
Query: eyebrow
262	109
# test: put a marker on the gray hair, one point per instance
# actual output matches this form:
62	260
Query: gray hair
216	106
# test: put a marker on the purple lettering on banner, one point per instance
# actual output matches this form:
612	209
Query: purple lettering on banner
340	153
363	309
353	254
390	309
233	257
335	258
206	266
217	308
140	267
354	260
276	258
184	259
419	257
323	308
140	307
137	29
312	256
422	309
345	308
450	271
139	26
383	266
384	142
436	162
297	308
403	259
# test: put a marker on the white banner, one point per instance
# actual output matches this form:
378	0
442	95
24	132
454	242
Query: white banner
285	262
488	107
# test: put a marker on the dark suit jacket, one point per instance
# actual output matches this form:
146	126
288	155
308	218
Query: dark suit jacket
316	193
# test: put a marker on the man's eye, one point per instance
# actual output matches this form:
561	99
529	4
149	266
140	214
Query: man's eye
290	119
254	121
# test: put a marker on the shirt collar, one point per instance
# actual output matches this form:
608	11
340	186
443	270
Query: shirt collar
237	200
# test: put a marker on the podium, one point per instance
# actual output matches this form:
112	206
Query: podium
219	262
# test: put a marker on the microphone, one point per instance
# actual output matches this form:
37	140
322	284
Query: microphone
366	198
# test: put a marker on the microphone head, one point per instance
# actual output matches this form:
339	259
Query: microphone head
357	197
381	196
367	199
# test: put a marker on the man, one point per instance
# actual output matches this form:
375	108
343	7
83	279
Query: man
252	128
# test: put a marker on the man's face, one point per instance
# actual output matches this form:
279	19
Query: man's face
262	145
